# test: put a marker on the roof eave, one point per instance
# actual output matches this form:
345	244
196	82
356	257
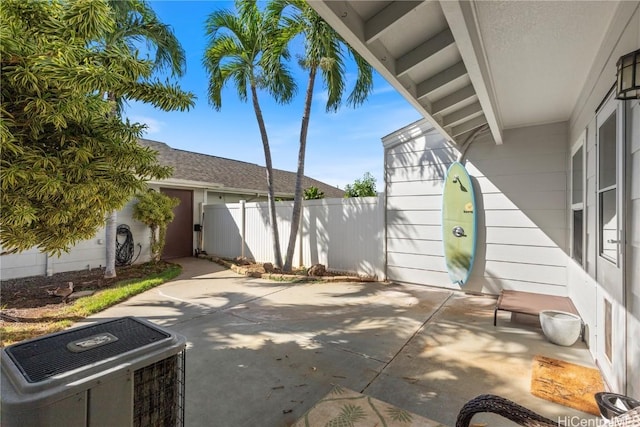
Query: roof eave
210	186
463	23
461	20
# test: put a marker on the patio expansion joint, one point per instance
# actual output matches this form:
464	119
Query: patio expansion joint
366	356
422	327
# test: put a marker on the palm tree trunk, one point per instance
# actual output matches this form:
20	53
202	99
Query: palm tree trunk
270	191
111	224
297	199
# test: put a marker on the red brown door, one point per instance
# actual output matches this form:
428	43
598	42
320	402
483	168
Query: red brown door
179	242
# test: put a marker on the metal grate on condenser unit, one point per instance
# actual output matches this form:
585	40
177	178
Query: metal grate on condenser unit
119	372
159	393
56	354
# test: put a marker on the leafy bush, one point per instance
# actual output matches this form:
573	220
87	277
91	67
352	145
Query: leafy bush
155	210
365	187
67	160
313	193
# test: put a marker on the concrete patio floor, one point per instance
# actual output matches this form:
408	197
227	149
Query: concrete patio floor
261	353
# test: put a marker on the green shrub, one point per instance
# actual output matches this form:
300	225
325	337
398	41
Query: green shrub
313	193
366	187
155	210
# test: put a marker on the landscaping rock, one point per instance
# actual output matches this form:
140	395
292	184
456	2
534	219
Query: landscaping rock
80	294
241	260
268	267
317	270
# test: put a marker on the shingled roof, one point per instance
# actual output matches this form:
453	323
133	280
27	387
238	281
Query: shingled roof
231	175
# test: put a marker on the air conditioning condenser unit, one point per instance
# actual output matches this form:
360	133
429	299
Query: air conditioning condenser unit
122	372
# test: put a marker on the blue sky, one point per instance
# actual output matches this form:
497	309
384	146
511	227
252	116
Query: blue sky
341	146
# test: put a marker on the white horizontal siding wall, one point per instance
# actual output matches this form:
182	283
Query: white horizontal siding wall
31	262
86	254
521	195
343	234
92	253
623	36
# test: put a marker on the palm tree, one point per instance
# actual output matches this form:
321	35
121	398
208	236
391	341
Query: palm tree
135	23
241	49
324	53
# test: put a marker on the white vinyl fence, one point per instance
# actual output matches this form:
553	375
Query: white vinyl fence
343	234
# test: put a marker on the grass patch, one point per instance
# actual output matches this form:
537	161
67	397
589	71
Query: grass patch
121	291
56	320
16	332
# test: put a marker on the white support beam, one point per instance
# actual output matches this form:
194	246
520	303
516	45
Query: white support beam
341	14
468	125
346	21
462	114
378	23
452	73
452	100
463	23
423	52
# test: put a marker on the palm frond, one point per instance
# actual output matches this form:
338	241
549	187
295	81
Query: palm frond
163	95
137	22
246	48
364	82
332	69
324	49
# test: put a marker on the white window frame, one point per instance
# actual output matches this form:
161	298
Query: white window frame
619	124
579	144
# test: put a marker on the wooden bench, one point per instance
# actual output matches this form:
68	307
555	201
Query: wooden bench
531	303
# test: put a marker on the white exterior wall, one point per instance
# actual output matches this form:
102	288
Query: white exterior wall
520	191
623	37
86	254
31	262
91	253
633	256
216	198
343	234
414	173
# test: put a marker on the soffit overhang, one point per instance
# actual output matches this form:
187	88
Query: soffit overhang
468	64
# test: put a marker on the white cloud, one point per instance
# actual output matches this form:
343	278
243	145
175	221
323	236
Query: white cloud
321	97
379	90
154	126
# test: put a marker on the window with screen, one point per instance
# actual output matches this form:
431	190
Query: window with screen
577	204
